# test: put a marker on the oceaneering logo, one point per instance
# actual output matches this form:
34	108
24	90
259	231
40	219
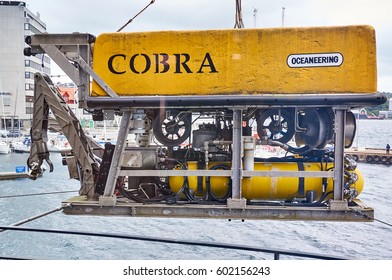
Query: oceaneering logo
315	60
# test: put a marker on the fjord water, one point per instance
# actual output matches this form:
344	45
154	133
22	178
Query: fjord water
353	240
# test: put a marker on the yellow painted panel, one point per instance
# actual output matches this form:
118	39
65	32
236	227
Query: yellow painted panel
245	61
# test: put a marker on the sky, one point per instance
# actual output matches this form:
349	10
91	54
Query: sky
98	16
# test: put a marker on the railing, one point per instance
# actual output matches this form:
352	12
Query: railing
276	253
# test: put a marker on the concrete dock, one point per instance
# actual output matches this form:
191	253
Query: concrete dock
370	155
13	175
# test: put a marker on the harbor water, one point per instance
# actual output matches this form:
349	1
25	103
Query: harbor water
353	240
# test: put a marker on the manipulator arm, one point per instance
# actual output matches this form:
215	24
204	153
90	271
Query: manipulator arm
38	153
39	149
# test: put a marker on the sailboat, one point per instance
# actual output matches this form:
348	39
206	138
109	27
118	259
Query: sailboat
4	147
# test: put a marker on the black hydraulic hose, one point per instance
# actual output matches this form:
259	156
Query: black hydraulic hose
168	198
127	195
123	192
186	190
208	185
324	181
321	200
299	151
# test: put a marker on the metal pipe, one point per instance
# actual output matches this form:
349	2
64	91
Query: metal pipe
222	101
237	149
340	121
249	152
118	154
212	142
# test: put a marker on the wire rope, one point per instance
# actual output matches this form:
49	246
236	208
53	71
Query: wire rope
370	218
129	21
33	194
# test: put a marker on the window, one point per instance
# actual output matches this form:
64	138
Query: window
34	30
29	86
6	98
29	98
29	110
35	65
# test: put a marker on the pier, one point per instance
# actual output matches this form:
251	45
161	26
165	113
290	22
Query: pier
370	155
13	175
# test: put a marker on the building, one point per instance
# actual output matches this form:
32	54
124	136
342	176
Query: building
68	92
16	70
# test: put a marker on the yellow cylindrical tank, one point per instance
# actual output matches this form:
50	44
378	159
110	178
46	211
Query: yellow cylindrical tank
219	185
263	188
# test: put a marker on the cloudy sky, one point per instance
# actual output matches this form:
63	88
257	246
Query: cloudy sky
97	16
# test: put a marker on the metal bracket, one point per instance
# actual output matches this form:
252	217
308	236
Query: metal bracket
338	205
107	201
95	76
236	203
62	61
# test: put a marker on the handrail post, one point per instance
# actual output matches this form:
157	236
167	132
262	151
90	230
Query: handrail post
338	203
236	200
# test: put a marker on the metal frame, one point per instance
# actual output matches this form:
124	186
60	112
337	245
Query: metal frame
63	48
81	206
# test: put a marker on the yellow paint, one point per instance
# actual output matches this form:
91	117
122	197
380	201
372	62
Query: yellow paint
265	188
240	61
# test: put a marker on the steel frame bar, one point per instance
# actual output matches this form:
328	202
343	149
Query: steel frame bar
118	154
236	160
81	206
340	123
226	173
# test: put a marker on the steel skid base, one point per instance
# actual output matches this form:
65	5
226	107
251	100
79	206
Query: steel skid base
81	206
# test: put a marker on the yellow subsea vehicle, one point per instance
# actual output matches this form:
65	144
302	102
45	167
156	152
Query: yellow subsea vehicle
244	123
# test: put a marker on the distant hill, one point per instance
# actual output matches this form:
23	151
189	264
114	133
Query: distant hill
383	107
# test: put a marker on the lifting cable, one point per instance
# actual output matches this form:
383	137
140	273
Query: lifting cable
129	21
32	194
37	216
369	218
238	15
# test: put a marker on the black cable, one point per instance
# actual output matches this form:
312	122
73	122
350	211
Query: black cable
120	187
209	189
185	187
174	241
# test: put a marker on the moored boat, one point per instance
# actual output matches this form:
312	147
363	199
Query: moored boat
21	146
58	143
4	148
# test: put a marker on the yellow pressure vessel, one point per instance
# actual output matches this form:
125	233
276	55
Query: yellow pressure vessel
264	188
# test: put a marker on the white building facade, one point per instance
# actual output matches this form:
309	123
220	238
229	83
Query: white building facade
16	70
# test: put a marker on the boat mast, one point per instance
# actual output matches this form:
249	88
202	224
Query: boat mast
255	17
